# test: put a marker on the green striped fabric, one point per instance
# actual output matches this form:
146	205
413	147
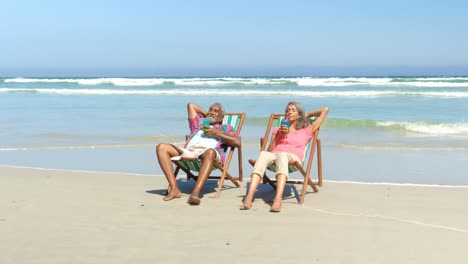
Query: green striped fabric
232	120
192	165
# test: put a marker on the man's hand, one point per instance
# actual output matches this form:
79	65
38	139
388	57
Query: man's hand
229	140
209	131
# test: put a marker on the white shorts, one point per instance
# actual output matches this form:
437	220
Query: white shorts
193	152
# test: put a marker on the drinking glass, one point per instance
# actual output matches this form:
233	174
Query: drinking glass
206	123
285	122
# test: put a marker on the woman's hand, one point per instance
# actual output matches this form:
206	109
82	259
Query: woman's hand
284	130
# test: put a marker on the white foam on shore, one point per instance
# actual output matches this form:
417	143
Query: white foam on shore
428	128
237	92
299	81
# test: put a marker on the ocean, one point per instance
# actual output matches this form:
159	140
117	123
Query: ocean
410	130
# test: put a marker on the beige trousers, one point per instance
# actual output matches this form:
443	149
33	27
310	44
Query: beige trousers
266	158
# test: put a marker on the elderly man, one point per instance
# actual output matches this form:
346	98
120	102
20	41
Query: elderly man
207	143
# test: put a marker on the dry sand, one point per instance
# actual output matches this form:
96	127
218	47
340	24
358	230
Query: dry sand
55	216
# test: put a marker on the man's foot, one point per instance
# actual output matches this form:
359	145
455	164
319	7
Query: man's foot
193	200
245	206
169	188
172	195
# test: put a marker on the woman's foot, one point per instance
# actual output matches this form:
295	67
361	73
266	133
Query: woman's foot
245	206
276	207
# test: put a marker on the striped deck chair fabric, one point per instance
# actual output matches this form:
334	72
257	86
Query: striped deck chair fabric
236	120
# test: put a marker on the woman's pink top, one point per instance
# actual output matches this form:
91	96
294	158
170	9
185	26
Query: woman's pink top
294	142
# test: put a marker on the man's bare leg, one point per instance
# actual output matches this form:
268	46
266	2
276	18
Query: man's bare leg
208	159
164	152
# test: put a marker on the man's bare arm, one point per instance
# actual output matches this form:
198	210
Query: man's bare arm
193	110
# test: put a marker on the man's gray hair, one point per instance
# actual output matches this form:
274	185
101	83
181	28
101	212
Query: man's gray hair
220	107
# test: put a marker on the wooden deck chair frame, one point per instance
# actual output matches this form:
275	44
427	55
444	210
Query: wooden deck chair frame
236	120
304	168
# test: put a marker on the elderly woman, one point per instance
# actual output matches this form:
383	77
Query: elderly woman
287	144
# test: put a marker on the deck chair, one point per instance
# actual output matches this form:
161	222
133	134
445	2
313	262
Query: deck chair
303	168
190	166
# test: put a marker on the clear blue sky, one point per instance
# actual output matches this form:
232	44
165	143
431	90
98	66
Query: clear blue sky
233	38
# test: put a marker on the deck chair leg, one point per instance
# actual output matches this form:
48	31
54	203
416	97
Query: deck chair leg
313	185
319	162
304	189
221	182
307	181
220	185
239	159
224	175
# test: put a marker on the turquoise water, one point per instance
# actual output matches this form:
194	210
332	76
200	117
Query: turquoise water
402	130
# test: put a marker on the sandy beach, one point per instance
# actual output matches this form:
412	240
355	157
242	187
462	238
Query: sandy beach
56	216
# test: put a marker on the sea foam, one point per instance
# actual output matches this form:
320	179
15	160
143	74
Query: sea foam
429	128
299	81
237	92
